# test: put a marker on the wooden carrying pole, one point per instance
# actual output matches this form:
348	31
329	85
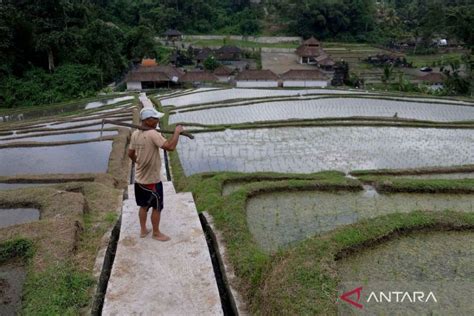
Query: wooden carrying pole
105	121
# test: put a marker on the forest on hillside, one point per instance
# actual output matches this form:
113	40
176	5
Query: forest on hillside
55	50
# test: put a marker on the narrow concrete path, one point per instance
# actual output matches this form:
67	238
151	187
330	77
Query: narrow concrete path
150	277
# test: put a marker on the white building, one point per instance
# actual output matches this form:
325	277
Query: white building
305	78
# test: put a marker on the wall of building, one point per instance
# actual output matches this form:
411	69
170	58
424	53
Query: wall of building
307	83
256	84
223	78
134	85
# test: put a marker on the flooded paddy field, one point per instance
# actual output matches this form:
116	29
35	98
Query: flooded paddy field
313	149
465	175
16	216
101	103
236	93
279	219
79	158
58	166
59	137
437	262
314	109
52	110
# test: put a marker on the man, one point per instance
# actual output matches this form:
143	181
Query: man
144	152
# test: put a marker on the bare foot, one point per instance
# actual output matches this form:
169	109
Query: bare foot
161	237
143	234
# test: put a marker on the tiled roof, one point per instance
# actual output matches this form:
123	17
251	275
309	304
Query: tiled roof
172	32
311	41
204	53
222	71
325	60
192	76
146	76
228	49
433	77
154	73
257	75
308	51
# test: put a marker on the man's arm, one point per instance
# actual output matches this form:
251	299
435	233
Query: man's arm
171	143
131	154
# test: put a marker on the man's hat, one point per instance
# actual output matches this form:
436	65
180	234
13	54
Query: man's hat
150	112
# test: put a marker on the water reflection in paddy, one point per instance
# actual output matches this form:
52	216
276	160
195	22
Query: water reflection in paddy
97	104
279	219
61	137
315	109
54	110
15	216
313	149
79	158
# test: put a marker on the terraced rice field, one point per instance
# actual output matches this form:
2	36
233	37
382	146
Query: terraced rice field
312	149
232	94
43	111
89	157
98	104
60	138
316	109
279	219
79	158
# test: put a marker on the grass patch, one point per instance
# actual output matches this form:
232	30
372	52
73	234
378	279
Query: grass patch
430	60
16	248
418	171
59	290
391	184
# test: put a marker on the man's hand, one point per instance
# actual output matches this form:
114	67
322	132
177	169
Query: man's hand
178	129
170	144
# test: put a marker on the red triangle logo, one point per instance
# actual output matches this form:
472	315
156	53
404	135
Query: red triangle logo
346	297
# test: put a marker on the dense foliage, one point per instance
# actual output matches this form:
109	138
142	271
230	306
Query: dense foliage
378	21
54	50
98	40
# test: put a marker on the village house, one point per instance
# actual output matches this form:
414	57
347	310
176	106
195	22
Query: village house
223	73
228	54
149	75
203	55
434	80
198	77
256	79
305	78
173	35
311	52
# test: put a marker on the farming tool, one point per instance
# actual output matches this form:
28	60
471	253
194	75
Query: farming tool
105	121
